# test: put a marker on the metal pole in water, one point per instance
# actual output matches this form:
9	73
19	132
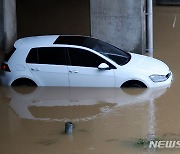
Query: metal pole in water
149	18
69	127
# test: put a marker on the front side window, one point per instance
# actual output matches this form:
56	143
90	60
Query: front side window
47	55
80	57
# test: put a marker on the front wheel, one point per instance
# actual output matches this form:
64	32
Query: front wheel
133	84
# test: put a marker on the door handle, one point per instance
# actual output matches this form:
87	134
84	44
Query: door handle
34	69
73	71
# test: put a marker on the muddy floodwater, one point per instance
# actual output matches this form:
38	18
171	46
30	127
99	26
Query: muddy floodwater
105	120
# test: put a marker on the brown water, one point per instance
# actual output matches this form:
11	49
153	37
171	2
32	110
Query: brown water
106	121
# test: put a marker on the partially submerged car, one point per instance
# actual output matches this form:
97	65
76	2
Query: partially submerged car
79	61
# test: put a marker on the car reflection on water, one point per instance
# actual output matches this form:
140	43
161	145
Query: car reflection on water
75	104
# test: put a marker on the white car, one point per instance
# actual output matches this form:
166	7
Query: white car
79	61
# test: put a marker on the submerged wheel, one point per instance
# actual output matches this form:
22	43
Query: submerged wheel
24	82
133	84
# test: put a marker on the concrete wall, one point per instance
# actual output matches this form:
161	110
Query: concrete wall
120	22
1	26
42	17
10	28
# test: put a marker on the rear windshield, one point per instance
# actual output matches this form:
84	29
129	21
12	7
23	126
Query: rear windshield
9	54
117	55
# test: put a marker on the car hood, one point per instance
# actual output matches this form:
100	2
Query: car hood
147	64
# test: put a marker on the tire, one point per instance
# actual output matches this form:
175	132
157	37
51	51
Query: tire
24	86
24	82
133	84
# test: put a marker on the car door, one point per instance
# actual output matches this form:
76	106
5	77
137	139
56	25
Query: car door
48	66
84	72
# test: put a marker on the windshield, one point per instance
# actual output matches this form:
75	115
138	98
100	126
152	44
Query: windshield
117	55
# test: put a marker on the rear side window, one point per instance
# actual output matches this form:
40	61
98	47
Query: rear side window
8	55
47	55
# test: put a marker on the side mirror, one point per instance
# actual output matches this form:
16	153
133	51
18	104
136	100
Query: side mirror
103	66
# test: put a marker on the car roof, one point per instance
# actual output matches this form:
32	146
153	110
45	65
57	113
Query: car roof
75	40
36	41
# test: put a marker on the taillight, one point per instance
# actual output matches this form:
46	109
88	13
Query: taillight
5	67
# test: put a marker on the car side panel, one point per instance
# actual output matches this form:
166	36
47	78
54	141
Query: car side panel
90	77
50	75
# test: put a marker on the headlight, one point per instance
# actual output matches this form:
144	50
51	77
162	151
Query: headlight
158	78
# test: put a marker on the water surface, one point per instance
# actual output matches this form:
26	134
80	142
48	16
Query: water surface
105	121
